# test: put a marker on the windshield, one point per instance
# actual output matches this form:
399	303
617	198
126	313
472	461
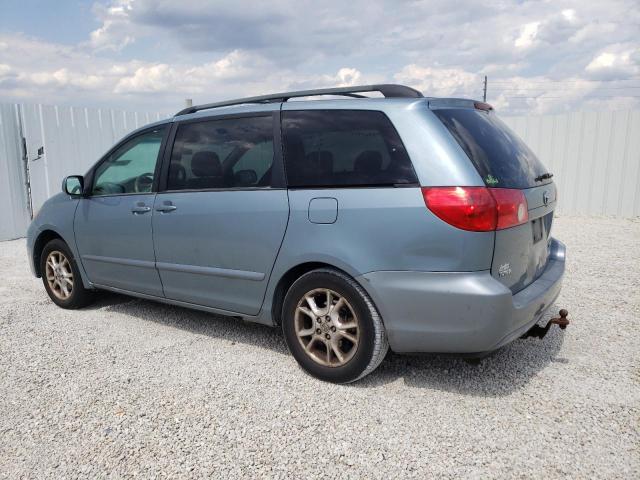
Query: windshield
500	156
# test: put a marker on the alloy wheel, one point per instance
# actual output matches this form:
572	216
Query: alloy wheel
59	275
327	327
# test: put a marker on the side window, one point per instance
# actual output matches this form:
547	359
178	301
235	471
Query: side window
327	148
131	167
225	153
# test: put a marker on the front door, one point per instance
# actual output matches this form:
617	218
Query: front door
220	223
113	225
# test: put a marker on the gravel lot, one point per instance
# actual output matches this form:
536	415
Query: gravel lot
130	387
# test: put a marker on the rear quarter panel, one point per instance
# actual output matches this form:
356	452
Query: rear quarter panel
379	229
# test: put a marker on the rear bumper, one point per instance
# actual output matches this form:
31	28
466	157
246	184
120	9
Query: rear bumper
460	312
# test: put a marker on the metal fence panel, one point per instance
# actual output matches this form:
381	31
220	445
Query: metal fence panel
60	141
72	139
594	156
14	216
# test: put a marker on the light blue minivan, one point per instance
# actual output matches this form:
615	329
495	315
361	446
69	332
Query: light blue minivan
356	224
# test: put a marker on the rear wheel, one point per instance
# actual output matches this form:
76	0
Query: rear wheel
332	327
61	276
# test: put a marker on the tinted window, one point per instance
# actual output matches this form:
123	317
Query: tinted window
501	158
226	153
343	148
130	168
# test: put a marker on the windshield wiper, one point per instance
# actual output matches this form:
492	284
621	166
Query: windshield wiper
544	176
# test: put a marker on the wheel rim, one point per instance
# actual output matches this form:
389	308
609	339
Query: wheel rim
327	327
59	275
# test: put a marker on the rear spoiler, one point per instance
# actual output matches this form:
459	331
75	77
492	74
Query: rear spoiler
436	103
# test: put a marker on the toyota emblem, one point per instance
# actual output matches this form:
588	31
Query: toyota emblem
545	197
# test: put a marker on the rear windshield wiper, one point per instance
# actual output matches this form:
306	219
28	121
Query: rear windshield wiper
544	176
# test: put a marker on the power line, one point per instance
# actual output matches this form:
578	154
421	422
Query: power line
561	81
578	97
540	88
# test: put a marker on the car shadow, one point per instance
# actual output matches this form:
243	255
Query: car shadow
503	372
193	321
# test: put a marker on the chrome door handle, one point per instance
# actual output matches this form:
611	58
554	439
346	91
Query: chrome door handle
140	208
166	208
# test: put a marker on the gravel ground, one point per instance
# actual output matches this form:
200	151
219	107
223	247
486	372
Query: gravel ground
130	387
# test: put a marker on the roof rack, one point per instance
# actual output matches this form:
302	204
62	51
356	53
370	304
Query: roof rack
389	90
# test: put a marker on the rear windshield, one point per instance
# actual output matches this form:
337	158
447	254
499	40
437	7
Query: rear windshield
501	158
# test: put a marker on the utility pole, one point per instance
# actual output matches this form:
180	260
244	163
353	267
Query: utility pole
189	103
484	92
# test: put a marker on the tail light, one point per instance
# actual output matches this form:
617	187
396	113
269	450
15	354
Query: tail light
477	209
482	106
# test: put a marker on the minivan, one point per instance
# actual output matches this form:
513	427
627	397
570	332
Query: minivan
357	223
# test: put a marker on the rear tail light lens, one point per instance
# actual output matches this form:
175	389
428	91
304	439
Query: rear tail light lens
477	209
482	106
468	208
511	206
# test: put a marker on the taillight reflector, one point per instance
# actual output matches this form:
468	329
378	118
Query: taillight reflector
482	106
511	206
477	209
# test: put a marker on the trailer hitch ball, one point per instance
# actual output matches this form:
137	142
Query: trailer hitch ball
540	332
562	322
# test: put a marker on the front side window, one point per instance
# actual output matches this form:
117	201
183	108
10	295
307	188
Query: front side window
223	153
334	148
131	167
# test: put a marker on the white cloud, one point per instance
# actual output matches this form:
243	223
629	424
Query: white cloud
527	35
611	65
440	81
539	56
115	32
5	70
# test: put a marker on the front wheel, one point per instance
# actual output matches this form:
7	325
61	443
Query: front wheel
332	327
61	276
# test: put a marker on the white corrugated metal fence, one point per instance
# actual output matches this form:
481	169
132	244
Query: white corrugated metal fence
595	156
59	141
14	214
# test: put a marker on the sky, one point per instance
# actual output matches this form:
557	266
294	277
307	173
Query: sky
539	57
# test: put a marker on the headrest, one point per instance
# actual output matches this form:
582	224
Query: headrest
206	164
369	161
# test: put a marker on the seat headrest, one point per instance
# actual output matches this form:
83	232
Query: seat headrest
321	161
206	164
369	161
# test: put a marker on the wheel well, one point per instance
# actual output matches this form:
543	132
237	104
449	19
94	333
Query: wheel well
44	238
287	280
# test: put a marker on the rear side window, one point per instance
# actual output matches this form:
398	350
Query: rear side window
499	155
224	153
338	148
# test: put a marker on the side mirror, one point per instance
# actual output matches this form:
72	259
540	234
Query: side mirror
73	185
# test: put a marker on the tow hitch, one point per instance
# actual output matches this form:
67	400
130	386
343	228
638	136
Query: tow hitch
540	332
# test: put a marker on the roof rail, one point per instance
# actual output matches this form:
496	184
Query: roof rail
389	90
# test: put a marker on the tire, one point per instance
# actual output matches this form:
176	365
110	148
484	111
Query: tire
64	285
320	338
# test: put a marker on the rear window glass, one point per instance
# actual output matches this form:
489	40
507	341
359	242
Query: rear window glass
499	155
334	148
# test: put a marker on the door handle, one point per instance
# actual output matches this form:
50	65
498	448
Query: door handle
166	207
140	208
